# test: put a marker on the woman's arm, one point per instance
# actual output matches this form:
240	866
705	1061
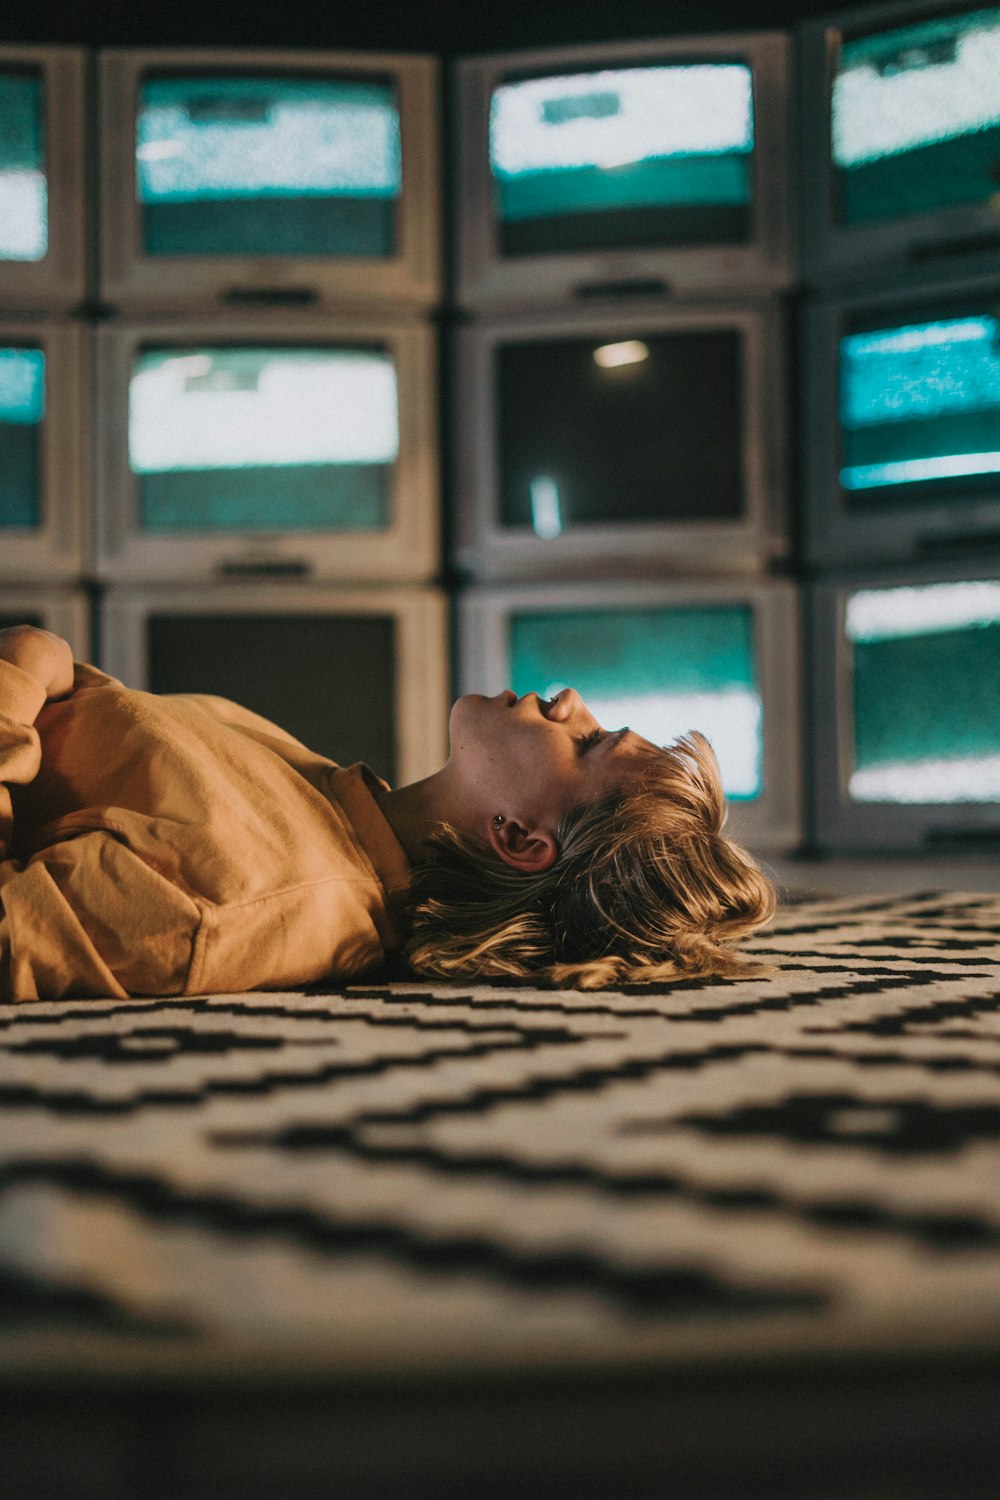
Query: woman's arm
35	665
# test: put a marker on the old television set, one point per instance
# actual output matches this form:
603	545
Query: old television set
720	656
900	138
297	178
356	674
43	490
902	423
294	447
65	611
905	683
593	440
42	177
656	165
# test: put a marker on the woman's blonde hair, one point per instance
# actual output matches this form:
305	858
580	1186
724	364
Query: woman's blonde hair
645	887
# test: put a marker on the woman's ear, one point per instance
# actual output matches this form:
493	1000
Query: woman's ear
530	850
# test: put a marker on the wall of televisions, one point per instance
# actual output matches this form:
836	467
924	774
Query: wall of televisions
716	360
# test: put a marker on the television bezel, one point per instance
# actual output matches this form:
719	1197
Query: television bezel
66	611
774	820
839	824
488	549
408	549
947	240
58	281
487	277
132	280
422	670
57	548
834	533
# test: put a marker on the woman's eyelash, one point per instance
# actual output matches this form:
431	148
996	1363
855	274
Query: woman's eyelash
586	740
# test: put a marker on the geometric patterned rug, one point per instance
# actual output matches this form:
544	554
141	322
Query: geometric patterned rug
414	1179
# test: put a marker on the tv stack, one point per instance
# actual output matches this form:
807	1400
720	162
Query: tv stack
218	391
43	343
901	424
623	255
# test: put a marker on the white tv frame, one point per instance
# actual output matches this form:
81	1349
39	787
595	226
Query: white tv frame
774	820
422	696
407	550
56	549
841	824
67	612
131	280
487	277
488	549
964	238
58	281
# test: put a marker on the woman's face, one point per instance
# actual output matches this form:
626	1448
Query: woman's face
532	760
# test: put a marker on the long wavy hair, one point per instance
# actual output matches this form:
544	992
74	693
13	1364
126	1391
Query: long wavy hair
645	887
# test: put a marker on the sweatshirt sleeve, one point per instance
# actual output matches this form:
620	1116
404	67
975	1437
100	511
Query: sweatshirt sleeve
21	701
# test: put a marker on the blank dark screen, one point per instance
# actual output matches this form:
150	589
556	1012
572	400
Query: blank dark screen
24	618
327	679
659	440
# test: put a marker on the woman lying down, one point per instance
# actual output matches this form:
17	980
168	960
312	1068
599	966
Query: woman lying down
183	845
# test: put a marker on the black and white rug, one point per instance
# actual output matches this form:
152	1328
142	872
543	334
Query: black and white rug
413	1178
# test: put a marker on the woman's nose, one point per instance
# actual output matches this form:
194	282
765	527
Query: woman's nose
565	703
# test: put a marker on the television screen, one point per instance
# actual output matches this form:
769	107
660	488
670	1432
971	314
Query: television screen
926	693
660	671
19	617
623	157
24	219
920	404
263	438
248	657
598	430
22	410
268	165
916	117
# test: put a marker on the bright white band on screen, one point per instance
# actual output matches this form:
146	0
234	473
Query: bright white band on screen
24	220
301	147
918	336
296	408
930	609
619	116
971	778
911	470
731	720
876	116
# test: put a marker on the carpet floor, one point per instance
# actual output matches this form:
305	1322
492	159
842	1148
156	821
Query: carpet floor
409	1192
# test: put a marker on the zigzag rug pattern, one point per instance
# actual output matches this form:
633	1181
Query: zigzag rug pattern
410	1174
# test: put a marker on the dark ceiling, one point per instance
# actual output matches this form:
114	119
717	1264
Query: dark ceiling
446	27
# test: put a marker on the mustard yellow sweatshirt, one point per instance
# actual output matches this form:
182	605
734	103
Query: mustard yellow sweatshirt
180	845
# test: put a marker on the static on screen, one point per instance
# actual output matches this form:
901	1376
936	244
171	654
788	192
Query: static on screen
920	404
623	157
259	165
916	117
264	438
926	674
24	219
